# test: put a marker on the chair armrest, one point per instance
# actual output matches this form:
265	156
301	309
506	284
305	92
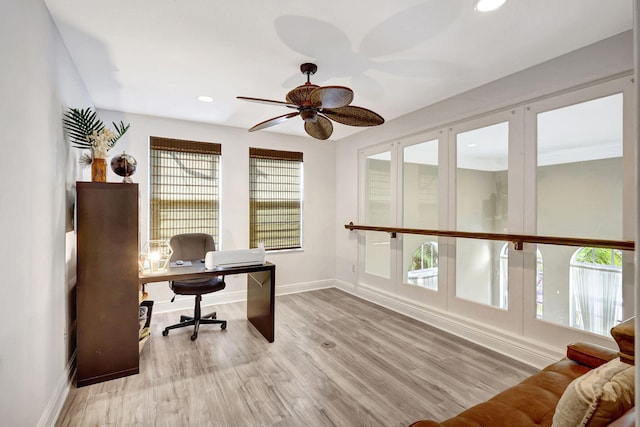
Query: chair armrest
426	423
590	355
624	334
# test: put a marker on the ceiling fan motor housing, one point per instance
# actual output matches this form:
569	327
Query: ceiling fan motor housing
309	115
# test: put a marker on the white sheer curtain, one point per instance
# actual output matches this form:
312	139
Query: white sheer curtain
596	298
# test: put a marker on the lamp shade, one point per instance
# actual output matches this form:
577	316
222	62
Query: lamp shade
154	256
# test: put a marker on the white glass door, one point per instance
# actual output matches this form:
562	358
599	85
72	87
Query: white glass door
377	208
580	174
481	192
423	187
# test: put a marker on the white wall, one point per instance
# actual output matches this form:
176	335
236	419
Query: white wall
37	81
603	60
312	267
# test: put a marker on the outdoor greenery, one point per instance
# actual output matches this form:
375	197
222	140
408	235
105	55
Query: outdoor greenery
426	256
600	256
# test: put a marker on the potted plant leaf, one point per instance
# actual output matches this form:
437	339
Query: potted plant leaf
87	131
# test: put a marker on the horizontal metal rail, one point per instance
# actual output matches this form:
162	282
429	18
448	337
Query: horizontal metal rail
517	239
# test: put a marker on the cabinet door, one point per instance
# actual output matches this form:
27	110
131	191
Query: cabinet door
107	281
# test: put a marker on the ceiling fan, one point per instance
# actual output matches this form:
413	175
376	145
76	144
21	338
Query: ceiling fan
316	105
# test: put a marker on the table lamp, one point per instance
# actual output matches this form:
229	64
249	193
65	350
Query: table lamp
154	256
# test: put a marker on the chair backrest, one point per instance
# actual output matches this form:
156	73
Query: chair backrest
190	246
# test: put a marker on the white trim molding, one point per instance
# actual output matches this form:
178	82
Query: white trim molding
186	302
56	402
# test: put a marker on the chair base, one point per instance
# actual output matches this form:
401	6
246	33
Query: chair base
196	320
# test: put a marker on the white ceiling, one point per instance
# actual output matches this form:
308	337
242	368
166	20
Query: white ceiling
156	56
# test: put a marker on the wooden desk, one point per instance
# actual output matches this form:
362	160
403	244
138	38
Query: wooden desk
261	289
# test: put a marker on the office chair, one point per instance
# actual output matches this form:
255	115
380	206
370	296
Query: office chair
194	247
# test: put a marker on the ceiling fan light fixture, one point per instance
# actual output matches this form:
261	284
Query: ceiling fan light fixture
309	116
488	5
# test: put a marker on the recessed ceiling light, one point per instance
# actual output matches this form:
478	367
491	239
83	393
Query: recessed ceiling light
204	98
472	145
488	5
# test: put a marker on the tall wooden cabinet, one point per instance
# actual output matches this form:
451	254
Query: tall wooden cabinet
107	281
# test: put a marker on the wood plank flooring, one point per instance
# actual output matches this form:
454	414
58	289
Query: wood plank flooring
336	361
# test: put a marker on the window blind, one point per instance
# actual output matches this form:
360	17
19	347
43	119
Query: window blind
275	199
184	181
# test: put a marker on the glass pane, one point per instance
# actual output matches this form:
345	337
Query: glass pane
420	210
481	197
378	212
595	289
579	194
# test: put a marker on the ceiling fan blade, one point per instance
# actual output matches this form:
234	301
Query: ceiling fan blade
274	121
331	97
320	129
354	116
268	101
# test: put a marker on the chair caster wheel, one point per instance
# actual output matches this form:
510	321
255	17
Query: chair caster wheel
193	337
165	332
223	325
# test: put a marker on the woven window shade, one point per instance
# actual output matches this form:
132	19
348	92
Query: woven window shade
275	199
184	194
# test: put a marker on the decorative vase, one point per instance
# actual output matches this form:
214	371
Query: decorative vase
99	170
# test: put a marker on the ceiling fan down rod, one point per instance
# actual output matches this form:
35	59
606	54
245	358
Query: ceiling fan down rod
308	69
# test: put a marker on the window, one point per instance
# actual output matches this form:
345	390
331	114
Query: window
184	194
378	196
482	201
423	270
596	289
275	199
579	193
420	189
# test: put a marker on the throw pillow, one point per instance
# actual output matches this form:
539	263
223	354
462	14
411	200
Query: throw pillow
598	397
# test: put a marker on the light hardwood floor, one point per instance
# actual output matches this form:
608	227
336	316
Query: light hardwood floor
336	361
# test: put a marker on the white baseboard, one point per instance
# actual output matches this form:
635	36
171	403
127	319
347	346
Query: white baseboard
533	353
304	287
59	396
186	302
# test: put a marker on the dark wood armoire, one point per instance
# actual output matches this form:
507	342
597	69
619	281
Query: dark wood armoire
107	281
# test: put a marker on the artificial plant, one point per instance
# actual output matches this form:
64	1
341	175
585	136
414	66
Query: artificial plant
83	126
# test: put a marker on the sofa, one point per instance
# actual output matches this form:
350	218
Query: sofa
592	386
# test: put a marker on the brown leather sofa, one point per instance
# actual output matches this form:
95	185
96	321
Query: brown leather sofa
533	401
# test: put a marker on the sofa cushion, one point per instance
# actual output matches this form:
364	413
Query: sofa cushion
598	397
